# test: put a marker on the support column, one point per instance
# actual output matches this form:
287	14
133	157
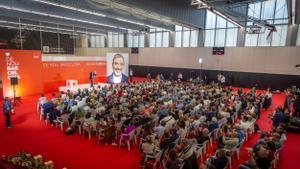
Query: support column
147	40
201	38
291	38
172	39
240	42
125	40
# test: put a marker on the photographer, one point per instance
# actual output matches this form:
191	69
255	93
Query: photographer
7	108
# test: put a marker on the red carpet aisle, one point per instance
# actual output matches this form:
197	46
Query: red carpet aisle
75	152
291	151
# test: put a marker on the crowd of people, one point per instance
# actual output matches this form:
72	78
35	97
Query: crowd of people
265	152
173	119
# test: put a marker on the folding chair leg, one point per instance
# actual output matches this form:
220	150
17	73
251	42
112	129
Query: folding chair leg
128	145
229	160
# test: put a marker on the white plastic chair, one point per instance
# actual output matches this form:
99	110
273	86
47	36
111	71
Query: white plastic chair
63	119
157	156
198	150
131	138
137	133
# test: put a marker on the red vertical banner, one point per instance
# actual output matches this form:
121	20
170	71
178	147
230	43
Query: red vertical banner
26	66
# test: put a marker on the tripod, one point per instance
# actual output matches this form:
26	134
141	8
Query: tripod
15	100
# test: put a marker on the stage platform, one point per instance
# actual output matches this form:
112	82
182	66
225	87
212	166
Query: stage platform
80	86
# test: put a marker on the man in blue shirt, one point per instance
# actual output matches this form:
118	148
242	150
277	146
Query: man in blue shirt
6	107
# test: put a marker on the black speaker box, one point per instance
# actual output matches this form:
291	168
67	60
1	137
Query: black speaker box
134	50
14	81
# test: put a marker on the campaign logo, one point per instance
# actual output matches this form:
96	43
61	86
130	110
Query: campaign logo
12	66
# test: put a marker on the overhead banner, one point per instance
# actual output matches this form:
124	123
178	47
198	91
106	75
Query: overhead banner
117	68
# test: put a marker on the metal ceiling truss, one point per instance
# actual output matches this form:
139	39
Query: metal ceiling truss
205	5
48	27
141	23
142	13
226	12
49	13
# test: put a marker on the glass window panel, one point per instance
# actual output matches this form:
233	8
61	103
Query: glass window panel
135	41
263	39
97	41
231	37
220	37
178	28
115	40
102	41
281	12
152	30
298	37
129	40
221	22
210	20
194	38
110	39
281	21
281	9
279	37
209	38
254	10
142	40
165	39
230	25
178	39
91	41
158	39
152	40
121	41
186	29
186	39
251	39
267	11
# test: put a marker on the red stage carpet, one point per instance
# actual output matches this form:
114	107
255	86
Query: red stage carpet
76	152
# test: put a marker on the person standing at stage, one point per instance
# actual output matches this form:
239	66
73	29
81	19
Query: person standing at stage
92	75
131	74
6	111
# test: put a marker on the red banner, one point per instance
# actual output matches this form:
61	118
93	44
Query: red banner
26	66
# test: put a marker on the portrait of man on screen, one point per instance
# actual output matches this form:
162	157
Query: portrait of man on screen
118	66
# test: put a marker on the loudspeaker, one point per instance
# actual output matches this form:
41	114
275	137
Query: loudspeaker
13	81
134	50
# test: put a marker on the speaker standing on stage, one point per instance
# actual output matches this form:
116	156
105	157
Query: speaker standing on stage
6	111
92	75
131	74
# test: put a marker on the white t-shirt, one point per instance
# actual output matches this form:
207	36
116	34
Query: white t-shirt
117	79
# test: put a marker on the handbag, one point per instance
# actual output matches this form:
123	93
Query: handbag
11	111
